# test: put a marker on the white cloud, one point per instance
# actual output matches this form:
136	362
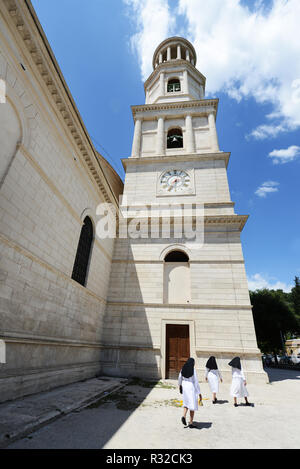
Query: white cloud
257	282
285	155
243	52
154	24
250	53
264	131
266	188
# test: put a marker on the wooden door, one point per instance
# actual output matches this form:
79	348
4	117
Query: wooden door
177	348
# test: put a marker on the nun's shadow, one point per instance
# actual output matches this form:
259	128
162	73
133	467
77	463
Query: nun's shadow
221	402
200	425
242	404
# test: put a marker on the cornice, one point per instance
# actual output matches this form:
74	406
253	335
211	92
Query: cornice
209	220
145	160
176	63
180	306
26	338
226	219
204	103
191	261
28	29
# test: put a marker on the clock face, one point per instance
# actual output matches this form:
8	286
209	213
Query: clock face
175	181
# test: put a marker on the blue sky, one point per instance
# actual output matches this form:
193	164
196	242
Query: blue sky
249	52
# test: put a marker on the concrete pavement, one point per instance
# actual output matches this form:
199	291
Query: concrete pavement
22	416
142	415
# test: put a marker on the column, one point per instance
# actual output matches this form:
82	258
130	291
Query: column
160	58
178	52
187	54
185	82
169	53
160	136
213	132
162	84
136	144
190	145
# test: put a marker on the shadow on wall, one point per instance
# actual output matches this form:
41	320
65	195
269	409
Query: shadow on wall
133	343
128	349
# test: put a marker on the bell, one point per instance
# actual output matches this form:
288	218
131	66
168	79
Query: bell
174	139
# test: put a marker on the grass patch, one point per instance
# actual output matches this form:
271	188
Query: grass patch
167	403
142	382
150	384
121	400
160	384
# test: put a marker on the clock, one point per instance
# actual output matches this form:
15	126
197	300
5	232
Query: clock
175	181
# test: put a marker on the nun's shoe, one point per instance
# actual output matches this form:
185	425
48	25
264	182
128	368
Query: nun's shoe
183	421
235	405
215	401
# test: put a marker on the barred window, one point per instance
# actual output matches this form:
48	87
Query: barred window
83	253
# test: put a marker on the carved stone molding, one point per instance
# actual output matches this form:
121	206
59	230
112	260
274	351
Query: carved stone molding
203	103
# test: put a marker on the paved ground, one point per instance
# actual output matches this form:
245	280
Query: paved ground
137	416
22	416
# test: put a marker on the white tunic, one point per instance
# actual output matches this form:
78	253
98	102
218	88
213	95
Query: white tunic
213	377
190	390
238	388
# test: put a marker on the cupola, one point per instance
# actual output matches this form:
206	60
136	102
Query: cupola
174	48
174	77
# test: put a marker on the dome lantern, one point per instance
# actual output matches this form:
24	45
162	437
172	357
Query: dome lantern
174	48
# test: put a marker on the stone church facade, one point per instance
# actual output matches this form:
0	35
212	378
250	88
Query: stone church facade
73	305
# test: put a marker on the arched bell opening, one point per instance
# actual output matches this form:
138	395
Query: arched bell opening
176	256
175	138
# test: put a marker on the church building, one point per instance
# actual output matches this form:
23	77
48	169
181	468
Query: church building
75	305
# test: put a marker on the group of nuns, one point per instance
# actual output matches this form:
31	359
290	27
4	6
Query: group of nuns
190	389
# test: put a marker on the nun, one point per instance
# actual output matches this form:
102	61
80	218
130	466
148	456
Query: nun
189	386
238	385
213	376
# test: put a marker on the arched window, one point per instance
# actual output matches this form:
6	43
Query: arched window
177	283
173	85
83	252
174	138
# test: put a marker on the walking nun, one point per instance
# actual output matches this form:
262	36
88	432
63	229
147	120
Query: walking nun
189	386
213	376
238	385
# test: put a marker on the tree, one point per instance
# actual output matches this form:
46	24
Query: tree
273	318
295	297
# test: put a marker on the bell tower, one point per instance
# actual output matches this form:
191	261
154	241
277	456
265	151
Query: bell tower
175	84
169	299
